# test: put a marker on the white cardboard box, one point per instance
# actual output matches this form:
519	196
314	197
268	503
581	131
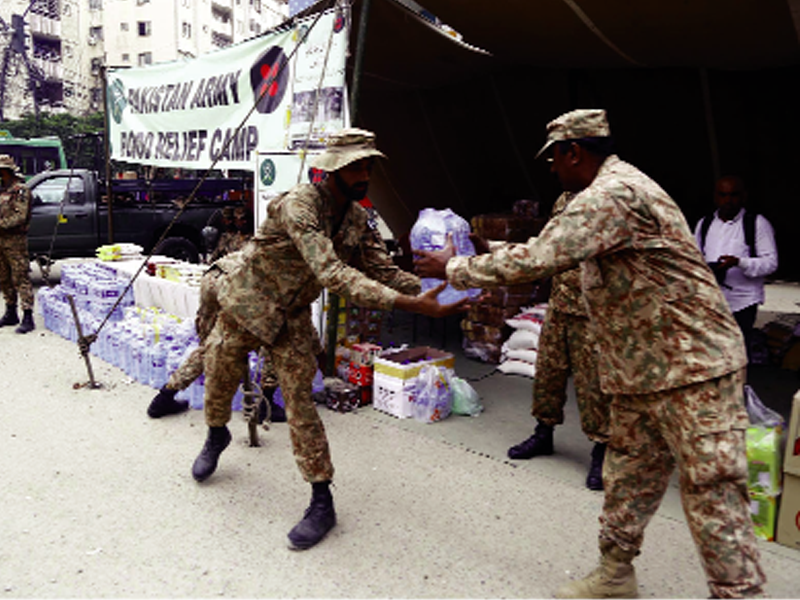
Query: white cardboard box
394	376
392	395
788	532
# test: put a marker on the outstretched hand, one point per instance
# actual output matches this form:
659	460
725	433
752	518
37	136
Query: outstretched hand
433	263
427	304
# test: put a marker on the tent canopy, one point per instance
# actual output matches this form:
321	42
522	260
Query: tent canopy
694	89
724	34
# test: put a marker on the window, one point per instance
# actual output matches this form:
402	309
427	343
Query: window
219	40
96	32
141	2
186	29
51	191
124	27
126	58
97	64
97	95
145	58
145	28
95	4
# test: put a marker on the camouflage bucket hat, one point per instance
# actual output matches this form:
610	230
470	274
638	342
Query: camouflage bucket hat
346	146
576	124
7	162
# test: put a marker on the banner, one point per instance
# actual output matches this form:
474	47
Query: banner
188	113
278	172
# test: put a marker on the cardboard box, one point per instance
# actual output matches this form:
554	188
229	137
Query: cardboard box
789	519
408	363
763	511
764	459
791	459
392	395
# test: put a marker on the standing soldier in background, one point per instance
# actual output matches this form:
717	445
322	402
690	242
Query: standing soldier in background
567	346
671	354
15	265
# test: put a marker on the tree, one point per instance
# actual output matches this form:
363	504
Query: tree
82	137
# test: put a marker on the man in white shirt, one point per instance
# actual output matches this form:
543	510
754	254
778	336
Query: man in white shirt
740	247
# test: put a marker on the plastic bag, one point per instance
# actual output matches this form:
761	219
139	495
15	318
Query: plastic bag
432	396
764	443
759	414
430	233
465	399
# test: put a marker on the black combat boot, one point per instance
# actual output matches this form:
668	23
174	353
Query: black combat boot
206	462
27	322
539	444
165	404
594	480
10	318
318	520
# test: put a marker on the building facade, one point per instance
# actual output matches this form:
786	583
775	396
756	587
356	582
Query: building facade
52	52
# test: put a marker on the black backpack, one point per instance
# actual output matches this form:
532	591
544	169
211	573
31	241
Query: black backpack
748	222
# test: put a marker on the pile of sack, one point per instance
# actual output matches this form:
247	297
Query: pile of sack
520	350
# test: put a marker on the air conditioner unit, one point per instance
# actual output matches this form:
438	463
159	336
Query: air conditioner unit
92	40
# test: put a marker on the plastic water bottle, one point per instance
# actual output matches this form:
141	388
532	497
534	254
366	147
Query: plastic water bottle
158	362
136	357
430	233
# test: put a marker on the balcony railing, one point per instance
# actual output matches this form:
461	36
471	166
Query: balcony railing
44	25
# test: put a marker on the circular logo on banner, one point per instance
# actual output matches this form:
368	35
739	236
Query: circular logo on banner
267	172
116	100
338	23
269	77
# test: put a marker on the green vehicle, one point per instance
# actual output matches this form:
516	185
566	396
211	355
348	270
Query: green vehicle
33	155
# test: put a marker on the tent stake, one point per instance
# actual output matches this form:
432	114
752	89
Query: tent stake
83	342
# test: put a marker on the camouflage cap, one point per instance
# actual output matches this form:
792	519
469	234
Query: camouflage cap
7	162
346	146
581	123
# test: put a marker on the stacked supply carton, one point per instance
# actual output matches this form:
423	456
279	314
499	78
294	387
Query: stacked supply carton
789	519
395	373
484	327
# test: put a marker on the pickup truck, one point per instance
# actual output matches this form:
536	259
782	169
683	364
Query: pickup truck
75	200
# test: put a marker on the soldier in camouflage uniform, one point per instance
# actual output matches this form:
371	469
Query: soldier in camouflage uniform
234	233
566	346
231	241
671	355
15	215
311	236
164	403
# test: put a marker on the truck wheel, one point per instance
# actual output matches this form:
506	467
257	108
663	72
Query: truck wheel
179	248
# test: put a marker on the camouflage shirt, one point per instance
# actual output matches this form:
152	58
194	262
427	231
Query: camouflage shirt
15	207
229	241
566	295
660	319
295	254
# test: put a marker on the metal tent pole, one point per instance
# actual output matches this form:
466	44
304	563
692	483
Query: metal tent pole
358	65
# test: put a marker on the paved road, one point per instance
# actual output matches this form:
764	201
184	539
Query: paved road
98	500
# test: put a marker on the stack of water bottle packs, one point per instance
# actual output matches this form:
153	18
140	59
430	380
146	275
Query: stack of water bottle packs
146	343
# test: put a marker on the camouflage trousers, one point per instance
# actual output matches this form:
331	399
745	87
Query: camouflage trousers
700	429
292	354
566	346
15	266
204	321
207	311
